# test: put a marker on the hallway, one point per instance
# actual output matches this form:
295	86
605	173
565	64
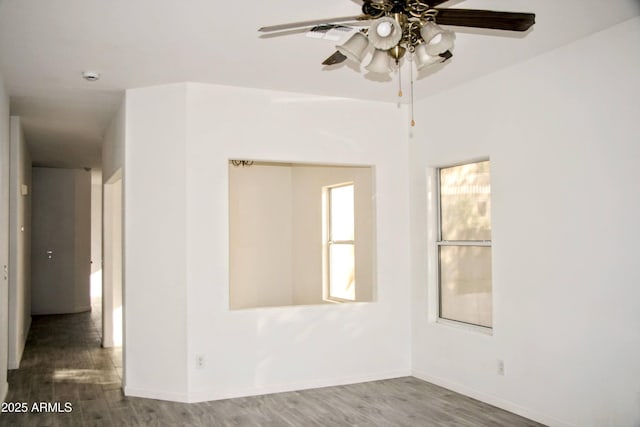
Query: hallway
63	362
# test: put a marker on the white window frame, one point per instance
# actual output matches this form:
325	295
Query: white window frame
439	242
328	242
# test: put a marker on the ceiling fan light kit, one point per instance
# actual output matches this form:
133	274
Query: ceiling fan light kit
401	26
355	47
437	40
423	59
384	33
380	62
384	29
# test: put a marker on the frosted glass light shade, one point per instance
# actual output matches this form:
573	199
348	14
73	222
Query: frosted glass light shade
436	39
385	33
380	62
429	30
422	57
355	47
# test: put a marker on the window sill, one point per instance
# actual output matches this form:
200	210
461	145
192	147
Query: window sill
465	326
336	300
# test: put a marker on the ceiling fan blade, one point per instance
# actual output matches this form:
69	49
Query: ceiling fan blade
511	21
284	33
313	23
447	55
336	58
434	3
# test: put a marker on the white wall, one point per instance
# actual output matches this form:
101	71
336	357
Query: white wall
4	236
96	221
61	221
308	182
155	274
113	144
177	260
82	239
112	277
292	347
19	244
261	235
562	133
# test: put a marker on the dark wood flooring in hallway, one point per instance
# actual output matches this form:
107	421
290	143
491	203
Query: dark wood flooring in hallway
63	362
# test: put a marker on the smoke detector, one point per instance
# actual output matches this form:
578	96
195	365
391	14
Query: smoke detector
90	76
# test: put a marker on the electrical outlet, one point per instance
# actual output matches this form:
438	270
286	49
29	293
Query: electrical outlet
199	361
500	367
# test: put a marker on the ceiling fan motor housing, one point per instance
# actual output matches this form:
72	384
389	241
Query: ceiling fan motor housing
398	6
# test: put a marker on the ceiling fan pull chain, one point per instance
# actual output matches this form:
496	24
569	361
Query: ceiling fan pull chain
413	122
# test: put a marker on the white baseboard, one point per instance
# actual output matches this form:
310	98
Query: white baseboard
107	340
158	395
14	360
205	396
493	400
83	308
27	329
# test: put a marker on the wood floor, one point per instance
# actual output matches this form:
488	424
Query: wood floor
63	362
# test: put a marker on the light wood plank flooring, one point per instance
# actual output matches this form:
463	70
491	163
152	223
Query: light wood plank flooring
63	362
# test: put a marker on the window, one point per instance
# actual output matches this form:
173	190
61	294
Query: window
340	243
464	244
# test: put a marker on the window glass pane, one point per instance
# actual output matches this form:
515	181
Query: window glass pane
342	279
342	213
465	284
465	202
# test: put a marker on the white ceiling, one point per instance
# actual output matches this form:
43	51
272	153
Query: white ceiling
45	46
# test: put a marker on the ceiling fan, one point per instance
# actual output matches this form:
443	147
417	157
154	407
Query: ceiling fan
400	25
393	27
